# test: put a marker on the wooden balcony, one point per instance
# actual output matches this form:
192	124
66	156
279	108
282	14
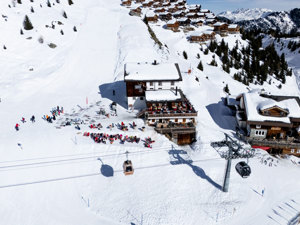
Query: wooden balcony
177	128
277	144
173	115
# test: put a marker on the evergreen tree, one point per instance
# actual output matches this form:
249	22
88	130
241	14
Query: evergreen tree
74	29
62	32
70	2
200	66
65	14
206	51
27	23
48	3
185	56
226	89
19	1
21	32
31	9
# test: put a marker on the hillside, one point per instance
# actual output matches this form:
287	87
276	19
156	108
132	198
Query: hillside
52	174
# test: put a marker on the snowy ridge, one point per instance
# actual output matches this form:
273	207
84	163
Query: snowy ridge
283	21
245	14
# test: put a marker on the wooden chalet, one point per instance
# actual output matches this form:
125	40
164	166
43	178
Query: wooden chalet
147	3
173	25
179	14
151	17
270	122
135	12
201	37
184	22
155	90
159	10
165	16
139	1
157	5
194	8
197	22
172	9
221	28
234	29
192	16
126	3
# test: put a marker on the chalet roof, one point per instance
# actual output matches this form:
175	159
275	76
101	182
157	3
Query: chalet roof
204	10
210	15
218	24
198	20
151	72
254	102
191	14
197	33
150	14
183	19
173	21
162	95
210	20
233	26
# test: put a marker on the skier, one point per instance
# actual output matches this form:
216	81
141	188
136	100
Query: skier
17	127
32	119
262	192
23	120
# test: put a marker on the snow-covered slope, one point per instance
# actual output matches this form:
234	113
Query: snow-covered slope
245	14
55	175
283	21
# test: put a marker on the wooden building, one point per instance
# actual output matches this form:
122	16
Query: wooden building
173	25
159	10
179	14
201	37
126	3
197	22
135	12
151	17
147	3
270	122
165	16
154	89
221	28
234	29
184	22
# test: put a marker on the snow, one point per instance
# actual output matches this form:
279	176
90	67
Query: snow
58	176
162	95
148	71
254	102
232	26
246	14
173	21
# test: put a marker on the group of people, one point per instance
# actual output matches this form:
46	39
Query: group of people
103	138
54	113
148	141
23	120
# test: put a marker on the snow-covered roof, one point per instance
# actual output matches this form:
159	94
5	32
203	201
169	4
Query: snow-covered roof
198	20
162	95
173	21
217	24
232	26
149	72
254	102
204	10
150	14
200	14
200	33
182	19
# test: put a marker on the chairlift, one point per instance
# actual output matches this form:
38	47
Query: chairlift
127	167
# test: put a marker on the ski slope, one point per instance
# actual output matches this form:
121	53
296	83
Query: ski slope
58	176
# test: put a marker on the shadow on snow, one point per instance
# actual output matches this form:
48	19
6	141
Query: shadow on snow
115	92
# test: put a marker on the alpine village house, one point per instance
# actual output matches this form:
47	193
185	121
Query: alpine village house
269	122
154	89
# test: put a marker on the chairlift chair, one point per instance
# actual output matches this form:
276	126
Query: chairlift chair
127	167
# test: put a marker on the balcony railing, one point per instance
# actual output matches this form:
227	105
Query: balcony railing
282	143
167	114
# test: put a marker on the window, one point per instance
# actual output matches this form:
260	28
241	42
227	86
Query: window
159	83
292	150
151	88
141	98
151	83
159	88
153	120
176	120
298	151
134	98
